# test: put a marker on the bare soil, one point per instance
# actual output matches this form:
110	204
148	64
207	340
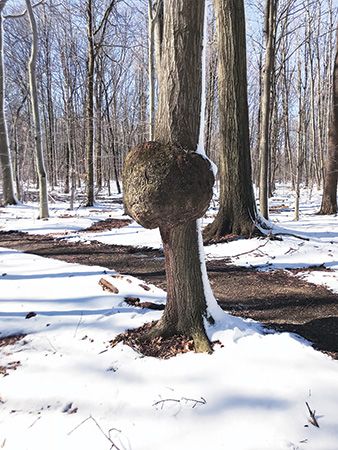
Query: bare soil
277	298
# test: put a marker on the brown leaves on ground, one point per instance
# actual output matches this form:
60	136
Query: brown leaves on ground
108	224
10	340
158	347
5	341
13	365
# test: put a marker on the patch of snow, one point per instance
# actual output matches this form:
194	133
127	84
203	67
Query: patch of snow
73	391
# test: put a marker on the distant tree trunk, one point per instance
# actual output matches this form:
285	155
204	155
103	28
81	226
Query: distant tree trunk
329	199
268	68
112	139
210	101
50	122
98	134
237	211
178	121
152	16
90	105
299	158
40	163
5	156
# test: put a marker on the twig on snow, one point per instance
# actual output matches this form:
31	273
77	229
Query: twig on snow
107	436
292	235
312	419
195	402
33	423
78	324
250	251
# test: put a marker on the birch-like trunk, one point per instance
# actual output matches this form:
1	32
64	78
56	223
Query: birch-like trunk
268	68
40	162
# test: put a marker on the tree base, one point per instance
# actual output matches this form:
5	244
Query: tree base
327	210
152	339
217	232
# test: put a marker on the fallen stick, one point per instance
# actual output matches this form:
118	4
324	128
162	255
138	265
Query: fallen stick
135	301
292	235
312	419
106	286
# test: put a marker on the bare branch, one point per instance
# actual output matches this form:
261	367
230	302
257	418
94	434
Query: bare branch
17	16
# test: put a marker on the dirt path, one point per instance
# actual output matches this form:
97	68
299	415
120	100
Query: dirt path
275	298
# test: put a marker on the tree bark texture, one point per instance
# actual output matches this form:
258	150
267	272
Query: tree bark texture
40	162
329	199
90	105
179	74
237	211
5	156
178	121
269	31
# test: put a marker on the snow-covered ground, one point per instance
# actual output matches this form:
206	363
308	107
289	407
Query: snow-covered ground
71	390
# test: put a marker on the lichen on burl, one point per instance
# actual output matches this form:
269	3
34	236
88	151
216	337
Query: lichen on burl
165	186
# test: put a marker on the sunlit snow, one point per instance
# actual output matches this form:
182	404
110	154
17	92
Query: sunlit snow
73	391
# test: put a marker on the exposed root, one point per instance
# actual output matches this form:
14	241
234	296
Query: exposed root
217	235
149	341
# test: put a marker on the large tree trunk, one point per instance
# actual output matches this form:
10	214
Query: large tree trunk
237	212
329	199
269	31
40	163
178	122
5	156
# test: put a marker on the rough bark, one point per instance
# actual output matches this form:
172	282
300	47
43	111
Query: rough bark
40	163
9	196
237	211
329	199
164	186
151	67
178	123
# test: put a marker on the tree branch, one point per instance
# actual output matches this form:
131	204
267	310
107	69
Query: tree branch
17	16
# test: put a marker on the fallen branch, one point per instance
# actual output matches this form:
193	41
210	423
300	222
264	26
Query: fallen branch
106	286
135	301
250	251
292	235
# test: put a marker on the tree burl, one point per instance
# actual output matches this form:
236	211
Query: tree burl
165	186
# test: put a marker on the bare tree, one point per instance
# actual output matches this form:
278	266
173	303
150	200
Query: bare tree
166	183
5	155
36	115
154	9
237	211
329	199
268	69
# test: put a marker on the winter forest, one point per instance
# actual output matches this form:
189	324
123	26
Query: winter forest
93	71
168	224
